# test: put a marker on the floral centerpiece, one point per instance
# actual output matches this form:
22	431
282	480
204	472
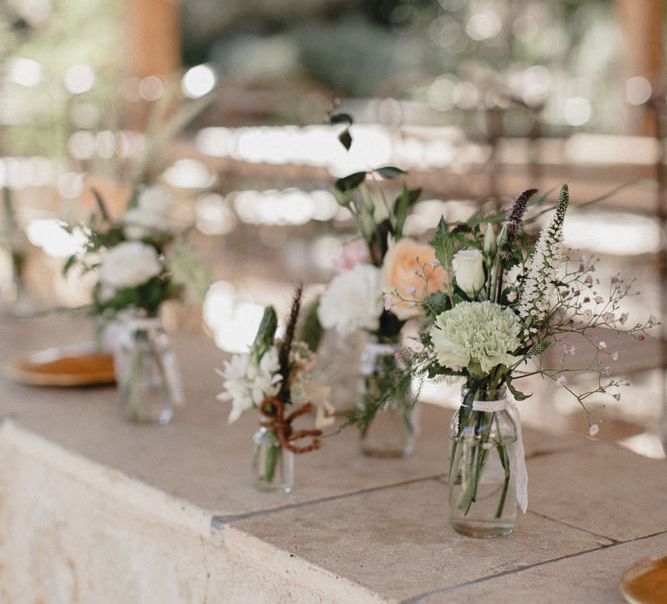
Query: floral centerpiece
140	262
380	261
506	304
273	377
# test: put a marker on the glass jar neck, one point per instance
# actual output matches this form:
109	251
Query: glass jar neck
483	393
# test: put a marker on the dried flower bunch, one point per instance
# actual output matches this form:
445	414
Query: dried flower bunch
275	373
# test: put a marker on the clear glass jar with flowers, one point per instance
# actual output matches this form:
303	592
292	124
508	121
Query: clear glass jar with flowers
381	261
275	377
140	263
507	302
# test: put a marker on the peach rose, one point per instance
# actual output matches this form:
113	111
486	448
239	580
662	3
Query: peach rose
411	270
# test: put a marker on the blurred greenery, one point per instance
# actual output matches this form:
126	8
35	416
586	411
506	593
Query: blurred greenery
68	32
424	50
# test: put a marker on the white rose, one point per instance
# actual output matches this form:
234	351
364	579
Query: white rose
129	264
352	301
139	222
150	215
468	268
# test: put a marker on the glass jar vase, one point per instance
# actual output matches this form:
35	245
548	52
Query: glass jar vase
149	382
273	465
389	417
482	485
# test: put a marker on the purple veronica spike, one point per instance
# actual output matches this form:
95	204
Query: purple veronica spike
515	218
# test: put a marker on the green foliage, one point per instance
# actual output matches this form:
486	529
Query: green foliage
347	183
437	303
389	328
311	331
389	172
266	334
404	202
344	137
443	243
187	270
148	297
517	394
389	383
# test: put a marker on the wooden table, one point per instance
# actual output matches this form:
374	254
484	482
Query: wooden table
96	510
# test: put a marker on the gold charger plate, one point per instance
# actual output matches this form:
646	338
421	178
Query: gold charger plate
645	582
74	365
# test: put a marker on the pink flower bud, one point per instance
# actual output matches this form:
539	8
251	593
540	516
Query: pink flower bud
561	381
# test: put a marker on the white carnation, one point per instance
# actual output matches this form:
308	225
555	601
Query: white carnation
480	333
353	301
129	264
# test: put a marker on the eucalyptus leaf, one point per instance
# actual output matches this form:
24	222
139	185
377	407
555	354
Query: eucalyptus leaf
347	183
345	138
341	118
389	171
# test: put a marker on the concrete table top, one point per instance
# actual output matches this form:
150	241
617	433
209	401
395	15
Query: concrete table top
354	529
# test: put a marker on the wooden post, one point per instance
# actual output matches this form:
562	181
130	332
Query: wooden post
152	45
152	37
641	25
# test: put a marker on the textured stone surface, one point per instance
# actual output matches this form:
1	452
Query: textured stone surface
608	491
198	456
588	578
397	541
96	510
74	532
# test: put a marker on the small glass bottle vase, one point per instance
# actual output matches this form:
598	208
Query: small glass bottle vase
389	418
149	382
482	490
272	465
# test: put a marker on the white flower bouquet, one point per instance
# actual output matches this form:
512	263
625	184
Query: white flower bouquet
506	303
381	268
274	376
140	260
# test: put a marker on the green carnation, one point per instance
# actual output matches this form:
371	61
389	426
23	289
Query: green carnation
476	335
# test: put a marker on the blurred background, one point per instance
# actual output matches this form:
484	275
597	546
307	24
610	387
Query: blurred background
226	102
